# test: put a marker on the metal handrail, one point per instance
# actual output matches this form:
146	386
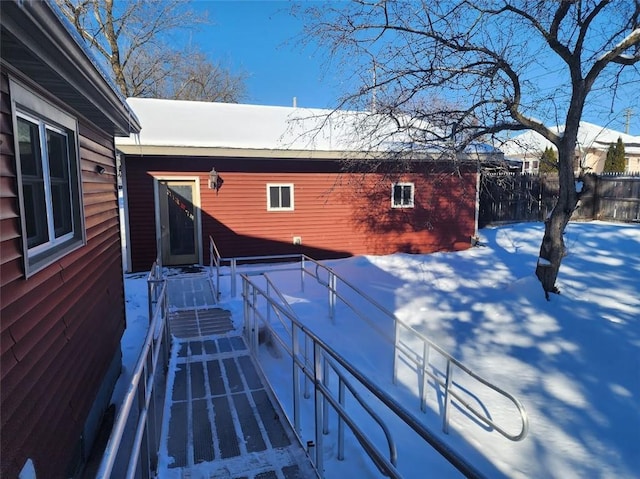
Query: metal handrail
446	384
233	262
423	362
154	282
272	288
141	398
312	267
324	355
214	260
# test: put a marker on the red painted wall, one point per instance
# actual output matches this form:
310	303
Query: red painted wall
61	327
336	214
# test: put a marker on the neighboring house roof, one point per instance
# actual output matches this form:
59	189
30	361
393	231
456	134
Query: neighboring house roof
173	126
589	136
38	41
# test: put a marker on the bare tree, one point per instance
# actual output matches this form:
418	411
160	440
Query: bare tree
489	59
136	39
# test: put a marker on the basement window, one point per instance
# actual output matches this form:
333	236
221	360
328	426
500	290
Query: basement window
279	197
402	195
48	178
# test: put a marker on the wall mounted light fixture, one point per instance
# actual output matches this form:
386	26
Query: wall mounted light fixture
215	180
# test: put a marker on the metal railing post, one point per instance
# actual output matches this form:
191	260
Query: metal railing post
144	460
218	280
340	421
254	322
295	346
214	259
332	295
325	403
268	296
245	309
307	392
396	351
150	299
233	277
318	406
447	398
166	331
423	376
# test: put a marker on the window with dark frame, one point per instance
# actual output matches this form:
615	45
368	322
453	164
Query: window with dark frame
402	195
279	197
49	179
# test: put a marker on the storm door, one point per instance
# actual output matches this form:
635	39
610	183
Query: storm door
179	232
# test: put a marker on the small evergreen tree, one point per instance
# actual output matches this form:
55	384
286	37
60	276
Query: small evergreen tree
615	162
549	161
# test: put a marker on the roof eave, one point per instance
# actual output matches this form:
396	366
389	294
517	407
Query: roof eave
34	31
264	153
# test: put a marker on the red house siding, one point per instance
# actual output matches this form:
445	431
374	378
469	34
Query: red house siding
61	327
335	214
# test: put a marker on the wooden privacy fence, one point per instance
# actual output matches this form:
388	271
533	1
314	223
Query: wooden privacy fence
514	197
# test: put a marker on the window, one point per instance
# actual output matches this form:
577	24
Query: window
48	177
402	195
279	197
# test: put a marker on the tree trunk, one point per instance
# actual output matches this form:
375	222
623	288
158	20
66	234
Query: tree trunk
552	248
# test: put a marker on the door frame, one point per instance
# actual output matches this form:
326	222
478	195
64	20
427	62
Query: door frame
196	205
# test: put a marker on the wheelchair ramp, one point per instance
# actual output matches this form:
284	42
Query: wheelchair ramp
190	291
223	422
197	323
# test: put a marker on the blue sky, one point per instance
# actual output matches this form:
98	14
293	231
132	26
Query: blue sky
259	39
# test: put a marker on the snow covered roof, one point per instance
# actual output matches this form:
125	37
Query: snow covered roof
230	126
589	136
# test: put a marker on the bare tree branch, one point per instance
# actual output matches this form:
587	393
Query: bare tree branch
483	59
132	36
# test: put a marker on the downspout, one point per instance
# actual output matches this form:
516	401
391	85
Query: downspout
127	232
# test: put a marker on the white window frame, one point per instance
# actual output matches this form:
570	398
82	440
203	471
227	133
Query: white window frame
410	203
270	207
28	106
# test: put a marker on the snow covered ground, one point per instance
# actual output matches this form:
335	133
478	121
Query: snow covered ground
573	362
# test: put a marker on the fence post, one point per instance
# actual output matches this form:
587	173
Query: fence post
596	197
